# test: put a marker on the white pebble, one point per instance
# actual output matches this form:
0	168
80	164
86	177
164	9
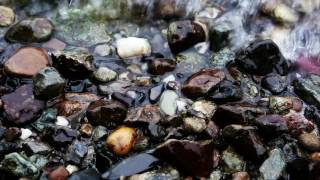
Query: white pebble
132	46
62	121
25	133
168	79
72	169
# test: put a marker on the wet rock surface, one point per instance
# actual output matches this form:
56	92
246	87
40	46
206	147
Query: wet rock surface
164	89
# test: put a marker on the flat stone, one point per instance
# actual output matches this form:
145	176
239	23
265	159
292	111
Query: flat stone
168	102
273	167
7	16
30	31
133	46
33	147
26	62
21	107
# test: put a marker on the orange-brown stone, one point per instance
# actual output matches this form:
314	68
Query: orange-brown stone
26	62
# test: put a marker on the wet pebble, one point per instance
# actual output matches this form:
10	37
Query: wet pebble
7	16
308	89
274	166
122	140
114	110
184	34
62	121
104	74
60	173
160	66
89	173
62	137
30	31
310	141
201	82
225	91
204	109
21	107
194	124
262	57
272	125
155	93
168	102
233	161
219	34
26	62
133	46
25	133
33	147
76	152
48	83
148	113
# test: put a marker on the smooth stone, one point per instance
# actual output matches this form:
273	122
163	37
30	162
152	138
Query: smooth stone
155	93
106	112
74	64
204	109
48	83
168	102
7	16
19	165
30	31
200	83
308	89
133	46
102	50
54	44
128	166
26	62
62	121
148	113
184	34
104	74
310	141
273	167
225	91
122	140
190	157
119	86
160	66
194	124
21	107
262	57
25	133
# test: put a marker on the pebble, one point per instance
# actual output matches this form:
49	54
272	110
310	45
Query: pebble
200	83
30	30
310	141
55	44
219	34
104	74
86	130
122	140
194	124
155	93
274	83
21	107
273	167
25	133
133	46
233	161
308	89
168	102
204	109
102	50
12	134
26	62
48	83
62	121
262	57
184	34
33	147
7	16
72	169
160	66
